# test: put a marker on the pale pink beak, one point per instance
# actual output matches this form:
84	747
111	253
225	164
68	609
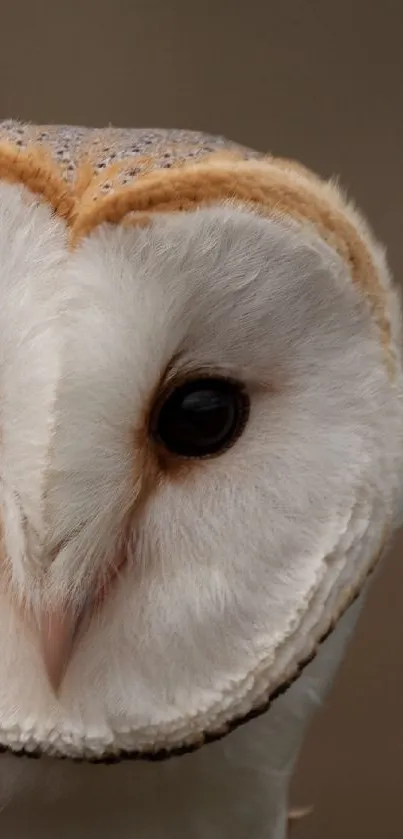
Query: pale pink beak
58	632
59	629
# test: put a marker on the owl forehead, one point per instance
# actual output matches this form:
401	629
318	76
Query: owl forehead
81	168
129	177
131	151
90	176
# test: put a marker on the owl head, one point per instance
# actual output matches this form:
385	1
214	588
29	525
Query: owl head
201	429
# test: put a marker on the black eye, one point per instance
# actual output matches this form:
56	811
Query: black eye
202	417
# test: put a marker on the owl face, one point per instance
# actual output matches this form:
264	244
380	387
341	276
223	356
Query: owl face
201	455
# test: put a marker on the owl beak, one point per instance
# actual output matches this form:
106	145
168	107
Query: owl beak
58	633
59	628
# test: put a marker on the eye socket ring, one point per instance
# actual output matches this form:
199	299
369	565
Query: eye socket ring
200	417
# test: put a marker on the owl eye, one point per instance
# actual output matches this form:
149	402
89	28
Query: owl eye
202	417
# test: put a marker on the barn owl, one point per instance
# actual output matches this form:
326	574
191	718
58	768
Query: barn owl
201	430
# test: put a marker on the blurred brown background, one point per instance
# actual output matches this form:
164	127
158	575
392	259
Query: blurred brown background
310	79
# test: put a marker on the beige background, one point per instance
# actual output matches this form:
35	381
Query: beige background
310	79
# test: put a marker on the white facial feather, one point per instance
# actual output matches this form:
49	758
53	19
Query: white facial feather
235	566
254	547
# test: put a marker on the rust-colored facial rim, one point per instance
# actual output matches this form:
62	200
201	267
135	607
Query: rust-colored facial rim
267	186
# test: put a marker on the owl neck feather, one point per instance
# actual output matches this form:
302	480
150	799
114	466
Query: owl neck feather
237	788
